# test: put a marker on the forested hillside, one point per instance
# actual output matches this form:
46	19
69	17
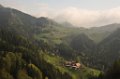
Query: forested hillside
39	48
23	53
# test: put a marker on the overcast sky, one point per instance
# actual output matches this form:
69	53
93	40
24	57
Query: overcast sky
86	13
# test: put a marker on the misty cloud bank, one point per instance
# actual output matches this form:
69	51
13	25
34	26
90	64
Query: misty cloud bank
83	17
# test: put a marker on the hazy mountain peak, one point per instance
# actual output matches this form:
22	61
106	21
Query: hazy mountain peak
1	5
67	24
45	19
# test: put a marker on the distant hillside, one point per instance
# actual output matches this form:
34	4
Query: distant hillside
99	33
82	43
109	48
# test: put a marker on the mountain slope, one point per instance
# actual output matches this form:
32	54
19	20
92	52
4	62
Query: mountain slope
109	48
82	43
99	33
20	57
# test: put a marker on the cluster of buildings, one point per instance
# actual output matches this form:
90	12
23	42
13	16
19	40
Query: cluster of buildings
72	64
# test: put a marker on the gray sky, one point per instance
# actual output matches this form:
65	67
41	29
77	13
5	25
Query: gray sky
84	13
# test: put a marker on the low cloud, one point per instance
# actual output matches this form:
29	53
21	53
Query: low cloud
88	18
